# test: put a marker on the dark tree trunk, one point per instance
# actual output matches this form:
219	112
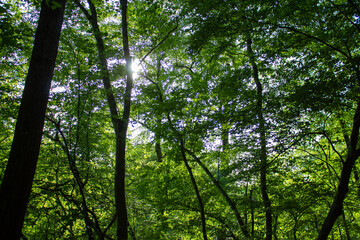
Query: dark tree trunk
183	154
252	213
196	189
19	174
263	150
336	208
353	153
224	193
158	151
120	125
122	221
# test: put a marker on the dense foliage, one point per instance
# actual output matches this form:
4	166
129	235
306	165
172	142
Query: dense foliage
244	121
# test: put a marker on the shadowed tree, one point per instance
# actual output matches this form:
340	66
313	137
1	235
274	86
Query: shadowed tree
20	170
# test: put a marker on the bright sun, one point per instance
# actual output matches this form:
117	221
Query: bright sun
136	68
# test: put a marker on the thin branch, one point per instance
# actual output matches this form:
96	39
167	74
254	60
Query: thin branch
351	2
292	145
184	66
328	165
110	224
161	42
351	21
293	29
298	31
223	193
333	147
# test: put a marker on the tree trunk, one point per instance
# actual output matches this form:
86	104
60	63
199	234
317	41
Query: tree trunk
252	213
120	125
342	189
19	174
158	151
353	153
263	150
197	192
225	195
122	221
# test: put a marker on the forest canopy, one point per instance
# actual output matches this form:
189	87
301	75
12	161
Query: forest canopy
184	119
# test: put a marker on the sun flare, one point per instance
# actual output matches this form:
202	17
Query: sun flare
135	68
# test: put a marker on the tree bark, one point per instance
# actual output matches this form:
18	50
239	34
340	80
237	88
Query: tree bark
122	221
263	150
252	213
19	174
336	208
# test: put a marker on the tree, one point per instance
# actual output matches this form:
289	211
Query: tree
120	124
243	121
20	170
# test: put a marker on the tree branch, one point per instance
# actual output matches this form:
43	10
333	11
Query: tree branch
161	42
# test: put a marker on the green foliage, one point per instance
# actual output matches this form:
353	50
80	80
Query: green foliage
196	86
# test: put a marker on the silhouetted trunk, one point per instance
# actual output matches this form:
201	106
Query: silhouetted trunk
263	150
196	189
158	118
120	125
122	221
19	174
157	141
336	208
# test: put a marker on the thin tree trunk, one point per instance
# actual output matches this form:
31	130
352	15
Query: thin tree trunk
157	141
295	227
183	154
252	213
19	174
158	118
353	153
223	192
89	223
263	150
120	125
197	192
